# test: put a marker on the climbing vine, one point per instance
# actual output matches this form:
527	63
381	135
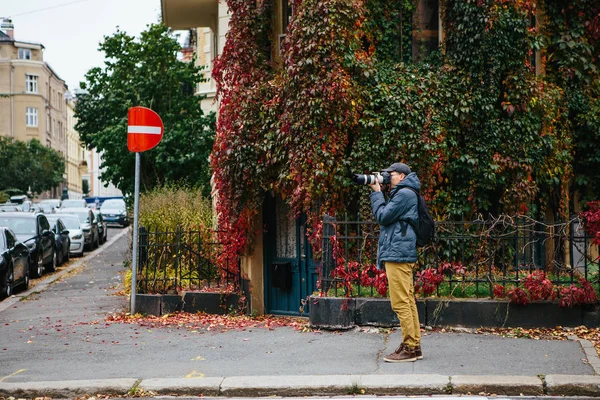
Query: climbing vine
484	132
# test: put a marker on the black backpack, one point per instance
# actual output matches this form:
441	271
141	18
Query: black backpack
425	226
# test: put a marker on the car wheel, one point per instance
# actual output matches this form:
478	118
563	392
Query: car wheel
8	283
26	279
39	267
60	258
51	266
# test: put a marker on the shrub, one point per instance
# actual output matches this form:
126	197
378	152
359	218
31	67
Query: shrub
169	206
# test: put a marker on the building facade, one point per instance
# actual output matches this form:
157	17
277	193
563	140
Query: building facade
32	97
93	176
76	157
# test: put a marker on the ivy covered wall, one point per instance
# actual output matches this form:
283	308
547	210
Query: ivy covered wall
485	134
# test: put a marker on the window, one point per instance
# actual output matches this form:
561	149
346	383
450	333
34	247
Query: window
24	54
44	224
11	241
31	116
31	83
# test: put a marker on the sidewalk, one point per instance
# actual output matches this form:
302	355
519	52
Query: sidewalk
57	343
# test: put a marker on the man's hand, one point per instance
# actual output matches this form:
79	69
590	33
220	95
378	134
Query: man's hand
376	186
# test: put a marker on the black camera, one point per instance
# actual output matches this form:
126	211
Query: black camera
384	178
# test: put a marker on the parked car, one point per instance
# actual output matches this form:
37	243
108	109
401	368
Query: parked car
89	225
54	203
114	212
23	201
61	239
9	207
14	263
76	236
102	225
33	230
44	207
74	203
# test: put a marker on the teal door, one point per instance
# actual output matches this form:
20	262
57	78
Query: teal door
290	271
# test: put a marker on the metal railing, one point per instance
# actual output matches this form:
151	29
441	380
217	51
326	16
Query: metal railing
478	254
172	261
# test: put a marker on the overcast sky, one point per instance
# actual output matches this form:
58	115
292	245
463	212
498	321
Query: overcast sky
71	30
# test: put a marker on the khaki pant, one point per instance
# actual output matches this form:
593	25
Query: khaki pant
402	295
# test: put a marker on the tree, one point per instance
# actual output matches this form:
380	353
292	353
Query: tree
29	166
146	72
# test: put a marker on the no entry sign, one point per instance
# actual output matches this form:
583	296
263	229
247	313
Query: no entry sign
144	129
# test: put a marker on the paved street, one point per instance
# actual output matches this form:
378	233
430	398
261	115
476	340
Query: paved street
61	334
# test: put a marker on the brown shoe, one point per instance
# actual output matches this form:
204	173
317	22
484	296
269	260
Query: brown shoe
402	354
418	353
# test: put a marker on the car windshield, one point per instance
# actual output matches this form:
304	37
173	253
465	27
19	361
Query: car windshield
19	225
70	222
113	204
84	217
73	203
51	202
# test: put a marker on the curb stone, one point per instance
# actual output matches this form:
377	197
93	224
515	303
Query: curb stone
42	285
497	384
183	386
306	385
315	385
405	384
67	389
572	385
590	352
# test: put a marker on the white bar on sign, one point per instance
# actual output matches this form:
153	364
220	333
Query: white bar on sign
150	130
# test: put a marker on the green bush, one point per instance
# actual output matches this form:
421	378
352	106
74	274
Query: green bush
169	206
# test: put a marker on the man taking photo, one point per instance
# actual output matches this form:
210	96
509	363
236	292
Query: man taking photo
397	253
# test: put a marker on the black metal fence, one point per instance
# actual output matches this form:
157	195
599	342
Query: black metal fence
172	261
466	259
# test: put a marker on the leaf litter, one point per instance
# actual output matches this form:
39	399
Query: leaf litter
211	322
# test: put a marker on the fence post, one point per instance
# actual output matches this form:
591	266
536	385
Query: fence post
327	258
143	259
177	277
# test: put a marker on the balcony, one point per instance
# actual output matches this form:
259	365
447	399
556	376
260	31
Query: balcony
186	14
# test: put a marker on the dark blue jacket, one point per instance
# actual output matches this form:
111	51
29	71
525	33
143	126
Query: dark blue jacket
397	239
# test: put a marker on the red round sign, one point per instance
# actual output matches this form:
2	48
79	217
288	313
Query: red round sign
144	129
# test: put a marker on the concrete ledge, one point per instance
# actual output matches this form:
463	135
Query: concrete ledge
332	312
211	303
67	389
183	386
316	385
572	385
404	384
303	385
344	313
378	312
497	384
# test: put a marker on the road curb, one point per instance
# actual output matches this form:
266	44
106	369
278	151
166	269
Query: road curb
42	285
66	389
315	385
503	385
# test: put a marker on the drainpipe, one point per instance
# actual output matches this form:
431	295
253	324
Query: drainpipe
12	100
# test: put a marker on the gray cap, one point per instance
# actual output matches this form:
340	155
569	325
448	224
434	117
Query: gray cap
401	168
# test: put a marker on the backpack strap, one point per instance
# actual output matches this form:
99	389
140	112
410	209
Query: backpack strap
414	224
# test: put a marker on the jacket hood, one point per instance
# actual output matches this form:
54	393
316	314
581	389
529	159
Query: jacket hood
412	181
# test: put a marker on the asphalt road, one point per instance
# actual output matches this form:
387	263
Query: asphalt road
62	334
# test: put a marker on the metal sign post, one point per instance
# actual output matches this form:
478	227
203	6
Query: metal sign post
136	212
144	131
